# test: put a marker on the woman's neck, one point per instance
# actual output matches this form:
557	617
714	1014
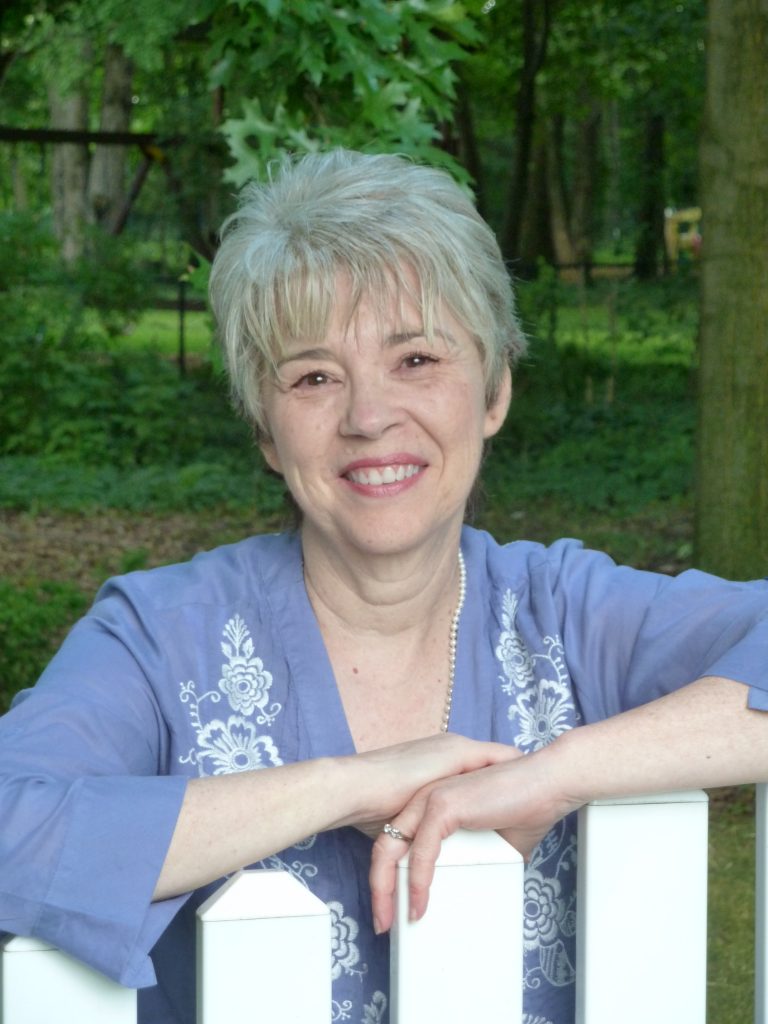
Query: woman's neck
386	595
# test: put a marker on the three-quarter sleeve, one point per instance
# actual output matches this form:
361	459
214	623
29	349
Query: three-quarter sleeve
87	810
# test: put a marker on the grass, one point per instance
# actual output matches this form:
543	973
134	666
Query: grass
158	330
731	919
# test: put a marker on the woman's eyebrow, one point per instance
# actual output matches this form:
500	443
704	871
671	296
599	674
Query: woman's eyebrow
391	341
403	337
307	353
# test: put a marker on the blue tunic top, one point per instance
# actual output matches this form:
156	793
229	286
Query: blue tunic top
218	665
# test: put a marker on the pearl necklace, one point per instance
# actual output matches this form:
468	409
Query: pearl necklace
452	642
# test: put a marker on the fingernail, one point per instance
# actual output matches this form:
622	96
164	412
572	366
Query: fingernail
377	926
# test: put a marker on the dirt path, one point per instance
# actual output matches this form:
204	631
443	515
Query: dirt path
87	548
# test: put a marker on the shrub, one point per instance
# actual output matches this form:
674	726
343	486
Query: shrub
33	620
112	281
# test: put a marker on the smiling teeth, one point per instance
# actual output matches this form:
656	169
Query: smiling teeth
383	475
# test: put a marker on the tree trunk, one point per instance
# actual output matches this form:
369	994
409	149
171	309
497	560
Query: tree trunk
536	229
69	171
614	206
468	152
535	38
586	172
650	240
107	179
562	245
732	465
19	182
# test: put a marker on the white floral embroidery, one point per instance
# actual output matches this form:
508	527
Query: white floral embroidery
234	745
528	1019
542	708
340	1011
373	1012
542	713
244	679
344	952
511	651
305	844
300	870
543	909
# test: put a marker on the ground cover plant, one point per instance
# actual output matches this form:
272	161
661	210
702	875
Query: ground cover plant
112	460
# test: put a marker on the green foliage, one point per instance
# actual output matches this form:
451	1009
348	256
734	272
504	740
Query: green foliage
48	301
604	458
123	410
157	330
33	619
325	75
623	58
603	415
285	76
27	249
35	483
112	282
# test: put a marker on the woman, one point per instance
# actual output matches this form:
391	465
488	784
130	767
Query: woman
368	327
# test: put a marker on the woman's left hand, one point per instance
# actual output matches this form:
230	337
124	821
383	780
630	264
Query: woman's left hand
512	797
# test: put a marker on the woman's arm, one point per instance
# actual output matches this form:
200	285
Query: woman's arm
702	735
229	821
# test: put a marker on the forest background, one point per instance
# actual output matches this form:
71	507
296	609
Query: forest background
582	126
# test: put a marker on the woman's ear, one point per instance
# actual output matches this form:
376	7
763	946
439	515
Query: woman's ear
269	451
497	410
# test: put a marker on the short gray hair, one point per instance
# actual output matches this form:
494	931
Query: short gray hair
380	220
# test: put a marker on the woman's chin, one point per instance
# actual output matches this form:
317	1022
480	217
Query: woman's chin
378	536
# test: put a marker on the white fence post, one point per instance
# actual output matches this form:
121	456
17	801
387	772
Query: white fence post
263	946
641	910
41	985
761	904
463	961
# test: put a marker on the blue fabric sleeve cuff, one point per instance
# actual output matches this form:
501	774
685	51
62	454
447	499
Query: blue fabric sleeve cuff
99	904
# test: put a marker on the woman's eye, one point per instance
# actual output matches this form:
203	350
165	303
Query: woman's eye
312	380
418	359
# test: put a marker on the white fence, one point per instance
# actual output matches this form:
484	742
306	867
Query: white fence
641	939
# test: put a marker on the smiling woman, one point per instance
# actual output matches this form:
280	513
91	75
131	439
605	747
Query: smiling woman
379	431
383	671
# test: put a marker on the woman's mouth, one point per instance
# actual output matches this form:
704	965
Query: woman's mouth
375	476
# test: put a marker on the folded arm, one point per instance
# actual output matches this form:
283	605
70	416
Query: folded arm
702	735
229	821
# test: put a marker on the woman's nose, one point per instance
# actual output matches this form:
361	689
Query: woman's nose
370	408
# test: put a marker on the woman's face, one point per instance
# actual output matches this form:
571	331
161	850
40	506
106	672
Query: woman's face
377	432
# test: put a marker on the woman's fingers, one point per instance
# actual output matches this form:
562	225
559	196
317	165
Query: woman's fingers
428	818
425	849
388	851
509	797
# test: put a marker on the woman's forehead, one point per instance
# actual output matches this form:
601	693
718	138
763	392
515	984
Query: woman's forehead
391	320
389	308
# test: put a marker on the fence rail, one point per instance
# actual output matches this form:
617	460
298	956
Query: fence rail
641	936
